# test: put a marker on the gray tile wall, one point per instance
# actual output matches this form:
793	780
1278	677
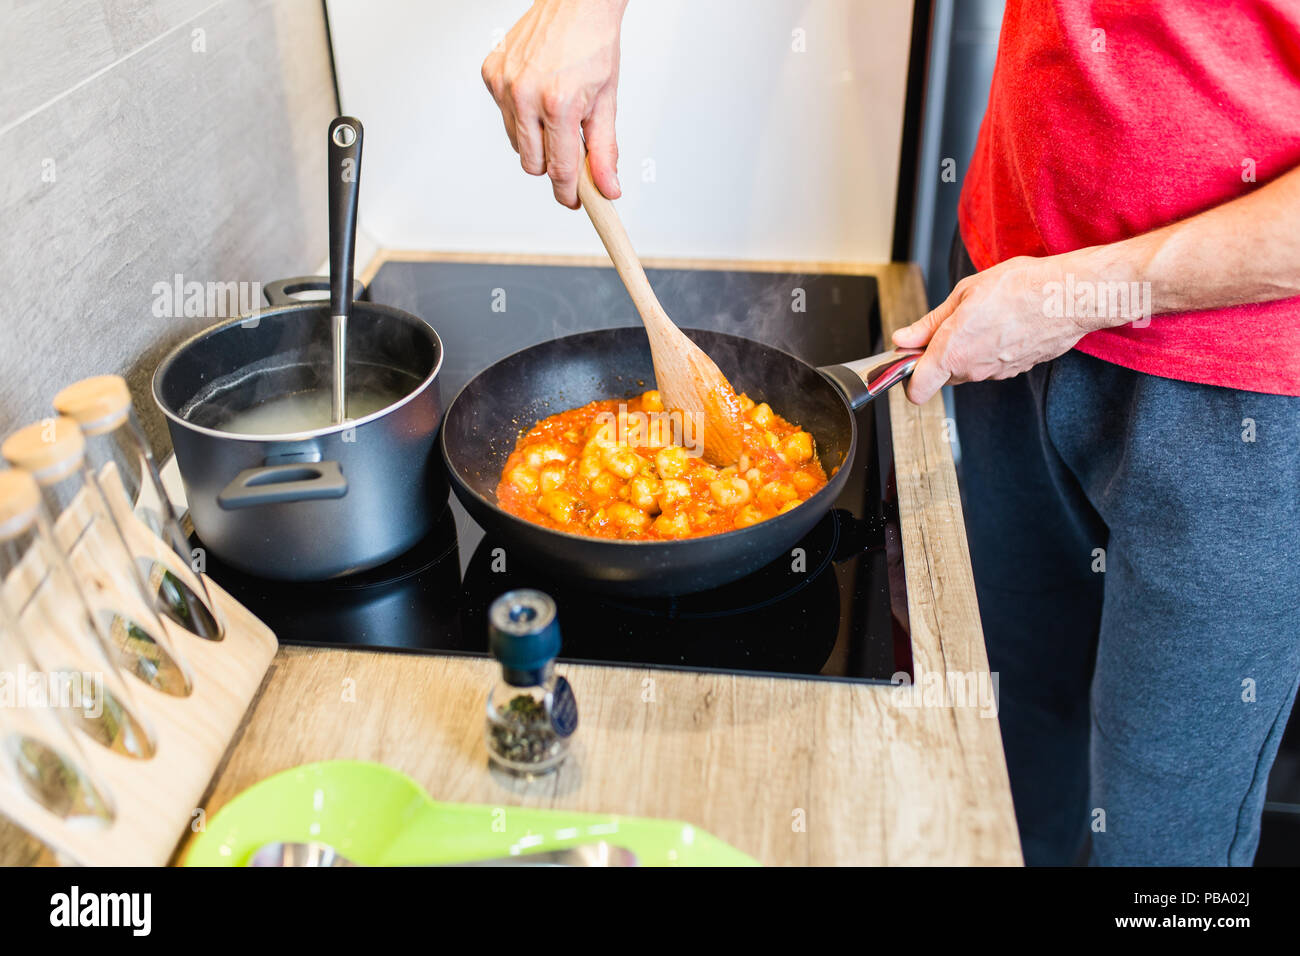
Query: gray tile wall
141	139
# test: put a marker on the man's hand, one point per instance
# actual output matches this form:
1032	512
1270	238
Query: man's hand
997	324
556	72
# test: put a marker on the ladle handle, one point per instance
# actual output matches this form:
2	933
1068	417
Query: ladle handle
344	173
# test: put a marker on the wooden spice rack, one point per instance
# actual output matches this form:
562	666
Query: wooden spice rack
155	800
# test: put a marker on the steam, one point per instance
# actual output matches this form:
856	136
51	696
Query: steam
282	353
763	307
542	304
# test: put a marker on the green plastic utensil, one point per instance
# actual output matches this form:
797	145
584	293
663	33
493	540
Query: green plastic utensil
380	817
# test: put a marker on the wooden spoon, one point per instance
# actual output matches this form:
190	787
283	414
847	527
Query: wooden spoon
688	380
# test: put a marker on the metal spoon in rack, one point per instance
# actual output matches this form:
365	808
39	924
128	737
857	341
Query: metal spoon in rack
320	854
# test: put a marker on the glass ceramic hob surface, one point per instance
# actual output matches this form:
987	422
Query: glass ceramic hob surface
837	609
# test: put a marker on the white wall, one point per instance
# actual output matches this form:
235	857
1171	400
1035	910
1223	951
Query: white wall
758	151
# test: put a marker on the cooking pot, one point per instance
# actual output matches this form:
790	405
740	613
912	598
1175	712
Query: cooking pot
316	504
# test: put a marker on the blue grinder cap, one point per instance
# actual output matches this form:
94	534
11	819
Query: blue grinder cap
523	632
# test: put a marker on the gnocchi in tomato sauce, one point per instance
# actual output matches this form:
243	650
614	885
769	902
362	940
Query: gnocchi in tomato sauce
615	469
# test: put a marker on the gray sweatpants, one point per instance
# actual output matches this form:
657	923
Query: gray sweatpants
1136	549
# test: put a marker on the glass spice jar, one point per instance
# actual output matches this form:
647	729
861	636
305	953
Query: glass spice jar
40	756
66	638
119	454
531	713
54	452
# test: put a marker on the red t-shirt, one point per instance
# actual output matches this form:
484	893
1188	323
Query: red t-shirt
1109	118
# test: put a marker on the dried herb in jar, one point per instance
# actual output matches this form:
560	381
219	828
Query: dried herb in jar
524	733
531	713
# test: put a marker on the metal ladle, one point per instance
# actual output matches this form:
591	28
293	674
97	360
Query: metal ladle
316	853
344	174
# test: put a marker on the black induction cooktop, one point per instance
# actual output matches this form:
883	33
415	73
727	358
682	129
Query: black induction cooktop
836	609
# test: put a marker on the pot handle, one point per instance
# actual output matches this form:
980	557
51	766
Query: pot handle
864	379
276	484
285	291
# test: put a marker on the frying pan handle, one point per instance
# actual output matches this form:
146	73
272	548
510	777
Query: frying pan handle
344	184
276	484
864	379
286	291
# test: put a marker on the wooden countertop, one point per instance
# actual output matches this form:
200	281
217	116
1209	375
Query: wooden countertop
789	771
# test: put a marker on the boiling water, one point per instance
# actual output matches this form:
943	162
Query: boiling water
304	411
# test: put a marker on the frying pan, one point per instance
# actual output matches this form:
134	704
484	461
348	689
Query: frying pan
486	418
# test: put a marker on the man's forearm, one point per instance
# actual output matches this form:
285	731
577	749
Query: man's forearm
1245	250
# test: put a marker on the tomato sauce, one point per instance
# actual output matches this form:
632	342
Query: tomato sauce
626	468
